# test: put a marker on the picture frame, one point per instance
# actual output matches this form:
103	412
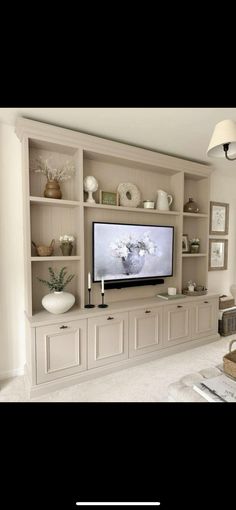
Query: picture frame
219	218
108	197
218	254
185	244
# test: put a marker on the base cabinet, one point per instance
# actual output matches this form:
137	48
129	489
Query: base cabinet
144	331
177	324
107	339
205	318
60	350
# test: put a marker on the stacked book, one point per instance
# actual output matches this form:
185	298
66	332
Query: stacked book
217	389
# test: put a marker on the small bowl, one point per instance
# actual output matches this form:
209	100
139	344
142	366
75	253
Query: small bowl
148	204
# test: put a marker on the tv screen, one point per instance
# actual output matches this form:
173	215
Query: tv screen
127	252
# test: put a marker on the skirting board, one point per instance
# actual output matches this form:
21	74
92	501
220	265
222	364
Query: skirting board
8	374
44	388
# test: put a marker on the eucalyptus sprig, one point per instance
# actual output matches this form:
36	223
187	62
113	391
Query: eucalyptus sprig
57	281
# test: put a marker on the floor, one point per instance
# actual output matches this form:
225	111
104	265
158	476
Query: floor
147	382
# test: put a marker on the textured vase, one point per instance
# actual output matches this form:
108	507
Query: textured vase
133	263
194	248
66	249
58	302
52	190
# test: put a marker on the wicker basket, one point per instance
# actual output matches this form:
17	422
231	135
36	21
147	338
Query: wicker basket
227	325
44	251
226	303
229	361
194	292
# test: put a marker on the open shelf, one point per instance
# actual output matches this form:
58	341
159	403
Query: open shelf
195	215
52	258
194	254
130	209
54	201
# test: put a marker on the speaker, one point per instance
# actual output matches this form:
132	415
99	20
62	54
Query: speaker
119	284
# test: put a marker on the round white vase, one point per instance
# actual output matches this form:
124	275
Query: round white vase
58	302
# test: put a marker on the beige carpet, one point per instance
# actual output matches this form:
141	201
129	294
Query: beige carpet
144	383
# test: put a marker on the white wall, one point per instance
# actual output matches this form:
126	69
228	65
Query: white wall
12	336
12	346
223	189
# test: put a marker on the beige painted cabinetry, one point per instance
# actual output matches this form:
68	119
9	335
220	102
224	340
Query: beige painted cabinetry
205	317
61	350
67	348
107	339
145	331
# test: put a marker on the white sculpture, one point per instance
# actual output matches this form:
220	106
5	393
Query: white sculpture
130	195
90	186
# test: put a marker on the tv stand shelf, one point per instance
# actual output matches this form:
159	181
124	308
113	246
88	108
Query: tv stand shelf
132	334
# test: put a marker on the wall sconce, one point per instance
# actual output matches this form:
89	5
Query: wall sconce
223	140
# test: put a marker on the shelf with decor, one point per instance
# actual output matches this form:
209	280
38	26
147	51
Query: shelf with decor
52	258
195	215
194	255
130	209
54	202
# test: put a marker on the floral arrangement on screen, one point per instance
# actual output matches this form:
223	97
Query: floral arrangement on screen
122	247
54	174
66	239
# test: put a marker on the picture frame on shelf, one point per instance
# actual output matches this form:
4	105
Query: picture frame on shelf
219	218
218	254
108	197
185	244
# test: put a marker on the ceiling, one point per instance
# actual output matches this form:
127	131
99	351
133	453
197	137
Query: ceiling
182	132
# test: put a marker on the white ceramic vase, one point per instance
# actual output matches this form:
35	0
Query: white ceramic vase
58	302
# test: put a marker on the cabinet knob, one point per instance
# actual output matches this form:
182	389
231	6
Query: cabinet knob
148	311
110	318
63	327
206	302
179	306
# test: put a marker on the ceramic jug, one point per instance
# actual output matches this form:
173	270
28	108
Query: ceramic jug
163	200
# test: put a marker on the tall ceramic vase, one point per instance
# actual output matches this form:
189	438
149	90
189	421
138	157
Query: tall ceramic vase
58	302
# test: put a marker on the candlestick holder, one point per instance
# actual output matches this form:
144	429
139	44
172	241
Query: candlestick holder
89	304
102	305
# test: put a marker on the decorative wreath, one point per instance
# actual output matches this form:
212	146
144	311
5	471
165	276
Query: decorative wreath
130	195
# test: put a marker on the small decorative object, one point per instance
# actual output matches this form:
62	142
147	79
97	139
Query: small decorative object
185	243
102	294
218	254
44	251
130	195
57	301
191	206
132	252
219	218
163	200
54	176
191	286
194	245
90	186
66	244
148	204
89	292
171	291
108	198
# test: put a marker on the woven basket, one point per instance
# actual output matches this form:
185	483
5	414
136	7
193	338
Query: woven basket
44	251
229	361
228	303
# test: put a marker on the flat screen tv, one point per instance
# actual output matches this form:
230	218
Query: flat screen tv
124	253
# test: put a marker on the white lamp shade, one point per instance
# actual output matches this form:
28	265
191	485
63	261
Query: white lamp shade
224	132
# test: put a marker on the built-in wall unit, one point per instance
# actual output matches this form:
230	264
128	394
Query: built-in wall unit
136	326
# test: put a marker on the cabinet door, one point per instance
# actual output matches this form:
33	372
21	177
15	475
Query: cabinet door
144	331
60	350
177	324
205	320
107	339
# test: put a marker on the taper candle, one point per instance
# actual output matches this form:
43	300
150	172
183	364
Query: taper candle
102	285
89	281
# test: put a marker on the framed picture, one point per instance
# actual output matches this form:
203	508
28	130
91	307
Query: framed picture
218	254
219	218
185	244
108	198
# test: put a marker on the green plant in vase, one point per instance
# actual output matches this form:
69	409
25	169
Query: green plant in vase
66	244
194	245
57	301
